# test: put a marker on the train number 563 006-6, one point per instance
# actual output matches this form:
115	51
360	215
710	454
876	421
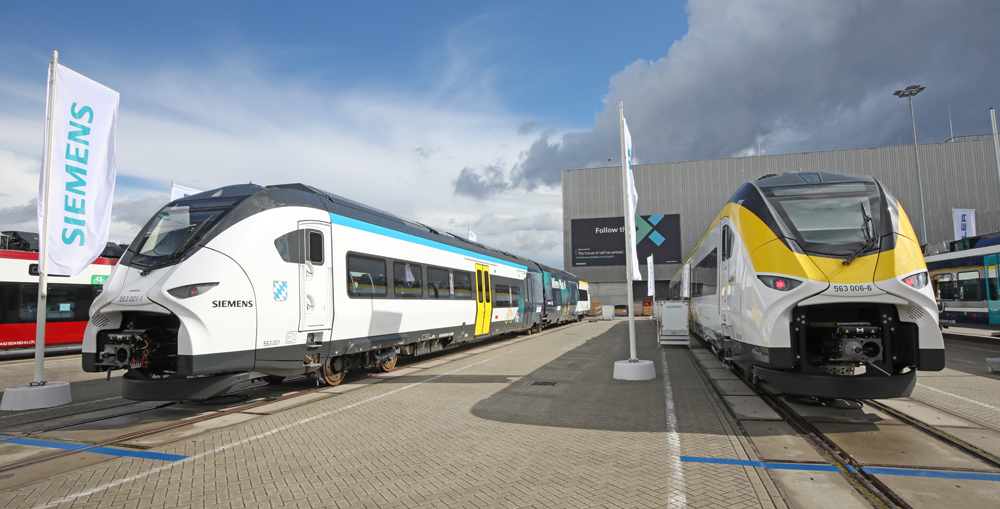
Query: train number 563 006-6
853	288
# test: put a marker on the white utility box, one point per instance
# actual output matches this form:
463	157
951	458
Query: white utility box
673	326
607	312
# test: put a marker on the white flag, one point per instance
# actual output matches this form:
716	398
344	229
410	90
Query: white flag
83	114
650	285
472	236
965	223
633	203
178	191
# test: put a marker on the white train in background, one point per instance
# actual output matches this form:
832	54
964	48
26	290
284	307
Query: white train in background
290	280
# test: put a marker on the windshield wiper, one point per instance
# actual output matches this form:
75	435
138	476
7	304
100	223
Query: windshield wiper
871	237
185	242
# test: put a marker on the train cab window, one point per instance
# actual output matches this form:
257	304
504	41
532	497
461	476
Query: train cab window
407	280
583	295
704	277
315	247
991	281
946	287
501	296
438	283
463	284
289	247
968	286
365	276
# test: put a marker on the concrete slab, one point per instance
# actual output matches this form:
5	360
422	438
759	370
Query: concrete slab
279	406
12	453
750	407
431	364
855	414
117	426
733	388
818	489
926	413
711	363
897	446
97	414
929	493
720	374
985	439
777	441
196	428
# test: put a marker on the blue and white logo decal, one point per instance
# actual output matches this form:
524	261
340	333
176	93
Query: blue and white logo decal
280	291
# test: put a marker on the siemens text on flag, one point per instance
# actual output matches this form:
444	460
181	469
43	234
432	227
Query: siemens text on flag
633	203
80	159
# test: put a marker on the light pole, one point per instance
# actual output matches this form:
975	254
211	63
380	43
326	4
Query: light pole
908	93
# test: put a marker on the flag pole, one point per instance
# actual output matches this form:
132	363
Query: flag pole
633	368
628	238
43	259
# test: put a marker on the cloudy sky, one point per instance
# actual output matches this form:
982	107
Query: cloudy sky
463	113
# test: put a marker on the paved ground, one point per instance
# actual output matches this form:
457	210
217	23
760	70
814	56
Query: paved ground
472	430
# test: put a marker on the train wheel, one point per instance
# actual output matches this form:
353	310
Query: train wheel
388	365
274	379
330	375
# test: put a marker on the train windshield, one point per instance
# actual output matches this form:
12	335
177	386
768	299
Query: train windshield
833	219
178	227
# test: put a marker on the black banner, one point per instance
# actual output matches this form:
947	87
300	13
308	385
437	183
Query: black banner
600	242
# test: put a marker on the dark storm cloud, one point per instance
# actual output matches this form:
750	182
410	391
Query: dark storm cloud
809	76
481	182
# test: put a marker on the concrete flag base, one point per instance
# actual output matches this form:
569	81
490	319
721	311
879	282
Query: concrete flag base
30	397
639	370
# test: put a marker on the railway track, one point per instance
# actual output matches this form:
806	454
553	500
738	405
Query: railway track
241	391
864	481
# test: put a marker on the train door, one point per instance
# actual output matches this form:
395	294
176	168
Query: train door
993	288
315	278
729	293
484	304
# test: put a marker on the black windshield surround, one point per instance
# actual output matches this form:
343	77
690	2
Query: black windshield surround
200	217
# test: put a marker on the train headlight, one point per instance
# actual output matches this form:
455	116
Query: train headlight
917	281
782	284
183	292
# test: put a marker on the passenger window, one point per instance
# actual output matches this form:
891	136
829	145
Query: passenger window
501	296
366	276
463	284
315	247
407	280
946	287
438	283
969	286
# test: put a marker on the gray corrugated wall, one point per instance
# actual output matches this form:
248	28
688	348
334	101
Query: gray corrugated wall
959	175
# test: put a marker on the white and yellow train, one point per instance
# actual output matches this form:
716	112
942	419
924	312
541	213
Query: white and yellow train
815	283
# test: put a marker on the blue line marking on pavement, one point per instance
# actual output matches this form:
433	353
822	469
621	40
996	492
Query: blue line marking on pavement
97	450
938	474
762	464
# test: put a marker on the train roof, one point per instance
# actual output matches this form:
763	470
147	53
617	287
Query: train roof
809	177
250	199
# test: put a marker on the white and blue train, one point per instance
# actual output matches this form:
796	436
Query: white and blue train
967	283
289	280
